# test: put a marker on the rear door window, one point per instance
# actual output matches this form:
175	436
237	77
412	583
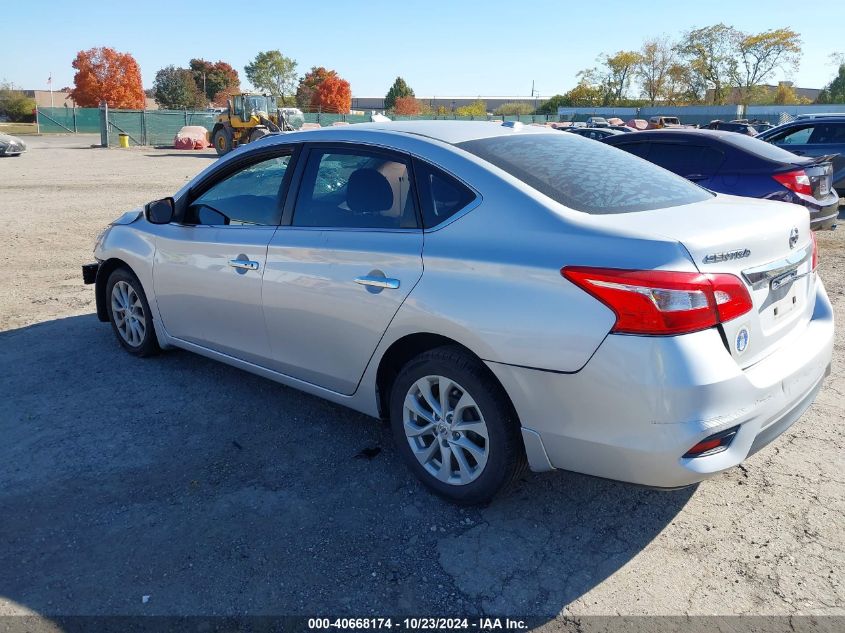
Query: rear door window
684	159
828	134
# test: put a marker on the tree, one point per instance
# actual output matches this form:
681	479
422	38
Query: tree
272	72
618	71
14	103
104	74
398	90
406	106
760	55
333	95
308	85
656	58
474	109
709	52
555	102
214	78
515	108
175	89
834	92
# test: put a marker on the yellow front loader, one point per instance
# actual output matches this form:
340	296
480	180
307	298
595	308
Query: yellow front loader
248	118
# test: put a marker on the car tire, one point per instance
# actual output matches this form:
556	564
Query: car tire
222	141
479	433
129	314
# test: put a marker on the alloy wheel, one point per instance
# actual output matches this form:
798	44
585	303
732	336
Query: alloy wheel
446	430
128	313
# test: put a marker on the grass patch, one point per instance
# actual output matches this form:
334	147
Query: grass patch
17	128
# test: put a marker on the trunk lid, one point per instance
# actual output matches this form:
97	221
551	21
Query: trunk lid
766	244
820	172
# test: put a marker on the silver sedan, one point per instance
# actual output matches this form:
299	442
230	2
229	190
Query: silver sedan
504	295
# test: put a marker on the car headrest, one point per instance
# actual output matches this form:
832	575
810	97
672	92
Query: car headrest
368	190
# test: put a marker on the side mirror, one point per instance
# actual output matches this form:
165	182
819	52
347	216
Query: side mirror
160	211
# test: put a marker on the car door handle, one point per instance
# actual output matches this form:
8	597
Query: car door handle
377	282
243	264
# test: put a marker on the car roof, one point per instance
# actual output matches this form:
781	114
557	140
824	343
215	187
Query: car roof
452	132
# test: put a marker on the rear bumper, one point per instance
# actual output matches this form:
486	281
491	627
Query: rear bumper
824	214
641	402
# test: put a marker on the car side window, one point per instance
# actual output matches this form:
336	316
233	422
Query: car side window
637	149
248	197
794	137
441	195
355	189
685	160
828	134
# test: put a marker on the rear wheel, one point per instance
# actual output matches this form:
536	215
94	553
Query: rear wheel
454	426
130	314
222	141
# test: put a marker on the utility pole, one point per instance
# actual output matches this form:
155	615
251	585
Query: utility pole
50	83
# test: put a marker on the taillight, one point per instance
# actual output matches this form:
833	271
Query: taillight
815	260
660	302
797	181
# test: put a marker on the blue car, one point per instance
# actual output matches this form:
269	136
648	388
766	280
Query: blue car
740	165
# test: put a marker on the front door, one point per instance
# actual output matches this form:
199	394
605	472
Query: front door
208	269
340	269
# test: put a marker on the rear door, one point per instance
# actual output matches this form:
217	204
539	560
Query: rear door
347	255
694	161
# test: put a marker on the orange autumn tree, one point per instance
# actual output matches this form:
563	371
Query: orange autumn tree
104	74
333	95
406	106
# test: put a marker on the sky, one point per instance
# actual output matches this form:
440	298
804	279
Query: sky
440	47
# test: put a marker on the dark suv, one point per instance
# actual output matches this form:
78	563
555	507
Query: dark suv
816	136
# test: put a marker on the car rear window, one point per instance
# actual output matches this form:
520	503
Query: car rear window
585	175
760	148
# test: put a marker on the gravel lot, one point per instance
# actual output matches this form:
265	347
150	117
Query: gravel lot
213	491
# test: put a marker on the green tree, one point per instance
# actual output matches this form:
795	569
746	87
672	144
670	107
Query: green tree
710	56
834	92
618	70
515	108
175	89
759	55
398	90
553	103
656	58
14	103
273	73
474	109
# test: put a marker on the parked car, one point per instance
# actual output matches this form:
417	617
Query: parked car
11	145
597	121
615	121
758	124
594	133
740	128
740	165
538	298
814	136
637	124
623	128
660	122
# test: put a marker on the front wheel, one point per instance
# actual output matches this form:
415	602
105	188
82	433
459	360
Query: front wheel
455	427
222	141
129	314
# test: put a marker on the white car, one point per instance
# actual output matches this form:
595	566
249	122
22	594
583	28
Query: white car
504	294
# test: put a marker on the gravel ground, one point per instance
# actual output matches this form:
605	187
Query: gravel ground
212	491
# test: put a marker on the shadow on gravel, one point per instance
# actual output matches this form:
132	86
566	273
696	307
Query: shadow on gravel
212	491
